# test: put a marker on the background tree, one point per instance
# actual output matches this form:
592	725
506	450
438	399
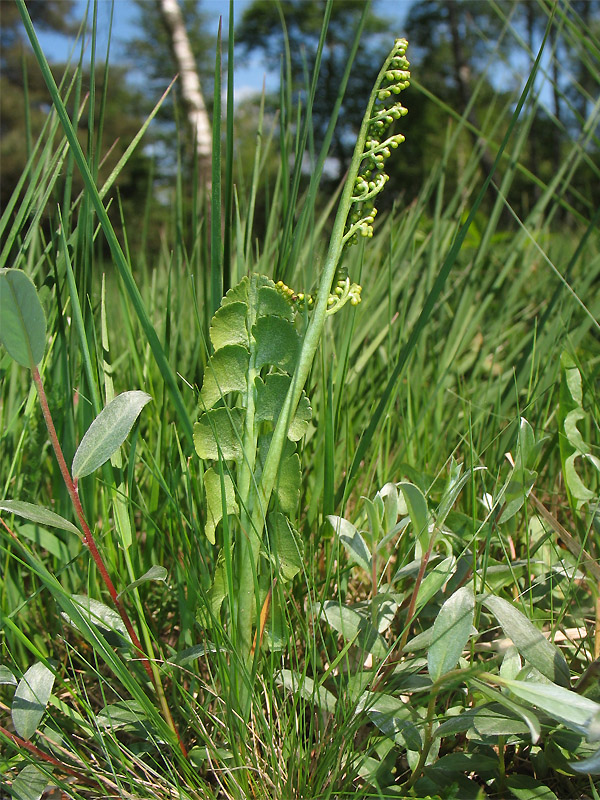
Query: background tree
264	29
191	92
457	47
23	95
24	106
151	53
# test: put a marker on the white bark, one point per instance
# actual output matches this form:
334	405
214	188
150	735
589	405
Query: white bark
191	91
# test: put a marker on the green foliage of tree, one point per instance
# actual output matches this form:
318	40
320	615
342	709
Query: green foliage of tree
25	104
454	42
150	50
266	28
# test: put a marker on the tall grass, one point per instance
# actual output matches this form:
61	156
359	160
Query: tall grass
459	335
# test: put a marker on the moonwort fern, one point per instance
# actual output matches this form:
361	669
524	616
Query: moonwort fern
252	405
256	350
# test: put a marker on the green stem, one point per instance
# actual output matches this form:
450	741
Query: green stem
427	742
248	545
317	319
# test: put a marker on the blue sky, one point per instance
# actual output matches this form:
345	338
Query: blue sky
248	78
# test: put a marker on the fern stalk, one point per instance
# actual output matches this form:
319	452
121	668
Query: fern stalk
340	235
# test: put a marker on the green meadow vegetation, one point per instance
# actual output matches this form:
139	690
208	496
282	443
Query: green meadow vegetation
298	499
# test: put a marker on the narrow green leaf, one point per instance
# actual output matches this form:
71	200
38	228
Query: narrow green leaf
354	543
22	320
574	710
418	512
216	242
29	784
108	432
451	631
155	573
30	699
529	641
38	514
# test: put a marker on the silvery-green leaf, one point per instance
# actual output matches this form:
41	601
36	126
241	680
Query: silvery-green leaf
106	619
22	320
525	713
30	783
435	577
6	676
529	641
418	512
38	514
589	765
308	689
354	628
389	495
574	710
108	432
451	632
120	714
30	699
155	573
353	542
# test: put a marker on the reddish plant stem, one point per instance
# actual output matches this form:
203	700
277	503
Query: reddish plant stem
42	756
389	668
413	599
89	541
88	538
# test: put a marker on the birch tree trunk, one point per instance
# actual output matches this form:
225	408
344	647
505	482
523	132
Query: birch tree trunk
191	91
